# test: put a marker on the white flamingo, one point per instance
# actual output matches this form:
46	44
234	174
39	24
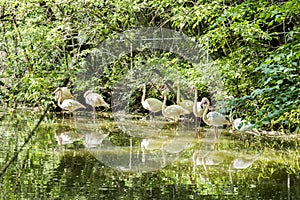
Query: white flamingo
242	125
65	94
152	104
94	100
213	118
173	111
198	110
185	103
69	104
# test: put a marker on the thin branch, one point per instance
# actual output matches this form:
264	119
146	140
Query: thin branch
15	156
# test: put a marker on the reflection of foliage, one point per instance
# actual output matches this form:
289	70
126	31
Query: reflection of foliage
45	170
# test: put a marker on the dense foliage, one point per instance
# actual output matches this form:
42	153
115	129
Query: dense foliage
255	46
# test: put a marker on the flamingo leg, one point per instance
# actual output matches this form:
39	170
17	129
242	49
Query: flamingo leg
199	124
216	132
94	114
154	119
76	118
199	130
242	134
62	111
196	131
70	117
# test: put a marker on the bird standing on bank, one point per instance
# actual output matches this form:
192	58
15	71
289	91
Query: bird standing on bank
213	118
94	100
65	93
184	103
198	110
173	111
152	104
68	104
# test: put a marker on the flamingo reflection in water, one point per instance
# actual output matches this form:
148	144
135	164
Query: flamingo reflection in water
241	162
92	140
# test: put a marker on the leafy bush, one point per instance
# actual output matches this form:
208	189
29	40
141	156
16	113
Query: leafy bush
254	45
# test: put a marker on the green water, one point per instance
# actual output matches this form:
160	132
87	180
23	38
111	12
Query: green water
121	157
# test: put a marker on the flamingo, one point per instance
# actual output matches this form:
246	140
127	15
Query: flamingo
152	104
94	100
243	125
240	124
65	94
173	111
185	103
197	108
213	118
68	104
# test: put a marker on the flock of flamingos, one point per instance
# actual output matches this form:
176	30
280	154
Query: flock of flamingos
200	109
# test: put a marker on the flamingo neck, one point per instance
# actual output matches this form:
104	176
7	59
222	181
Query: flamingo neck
144	93
195	100
59	98
178	95
231	116
164	105
205	112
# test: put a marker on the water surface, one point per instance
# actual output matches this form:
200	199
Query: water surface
128	157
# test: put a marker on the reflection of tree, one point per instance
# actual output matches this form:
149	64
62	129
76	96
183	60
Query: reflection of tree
137	128
41	172
210	159
180	142
219	164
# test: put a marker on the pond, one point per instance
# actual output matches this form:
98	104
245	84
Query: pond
132	157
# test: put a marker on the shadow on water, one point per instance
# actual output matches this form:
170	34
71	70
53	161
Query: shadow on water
130	157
